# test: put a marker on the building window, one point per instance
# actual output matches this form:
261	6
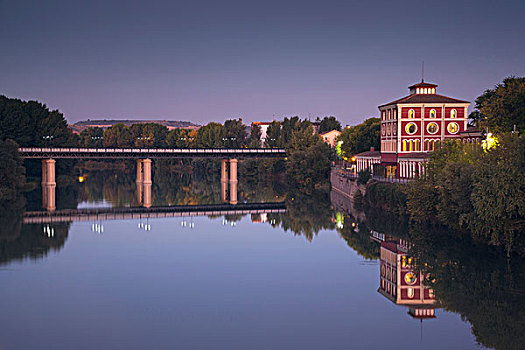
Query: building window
404	145
453	128
411	114
410	293
432	113
411	128
432	128
453	113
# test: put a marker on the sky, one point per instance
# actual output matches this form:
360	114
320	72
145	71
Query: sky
259	60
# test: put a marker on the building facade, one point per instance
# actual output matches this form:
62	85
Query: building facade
412	126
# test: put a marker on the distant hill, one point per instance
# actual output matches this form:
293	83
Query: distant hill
78	127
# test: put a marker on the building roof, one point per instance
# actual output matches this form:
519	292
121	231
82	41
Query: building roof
424	98
369	154
471	130
329	132
423	84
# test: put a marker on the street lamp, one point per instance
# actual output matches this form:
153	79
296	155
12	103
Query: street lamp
49	138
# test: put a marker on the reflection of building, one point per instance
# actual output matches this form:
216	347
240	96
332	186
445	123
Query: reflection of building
400	282
411	127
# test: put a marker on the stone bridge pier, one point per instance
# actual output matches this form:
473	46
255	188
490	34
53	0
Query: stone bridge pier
144	182
232	181
48	184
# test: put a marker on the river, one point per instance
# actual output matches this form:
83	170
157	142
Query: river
302	271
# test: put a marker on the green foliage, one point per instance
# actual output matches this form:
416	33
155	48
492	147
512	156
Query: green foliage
328	124
501	108
91	137
181	138
149	135
363	176
475	191
27	123
361	138
309	158
235	132
211	135
12	172
118	135
255	137
387	196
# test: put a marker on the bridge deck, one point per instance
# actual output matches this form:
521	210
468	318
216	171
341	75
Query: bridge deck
53	152
104	214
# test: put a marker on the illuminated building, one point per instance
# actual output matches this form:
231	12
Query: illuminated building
412	126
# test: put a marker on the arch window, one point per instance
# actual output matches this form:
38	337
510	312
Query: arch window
411	128
453	128
453	113
432	113
432	128
410	293
411	114
404	145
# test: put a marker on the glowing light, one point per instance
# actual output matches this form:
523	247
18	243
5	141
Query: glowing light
81	179
340	219
338	148
489	142
353	159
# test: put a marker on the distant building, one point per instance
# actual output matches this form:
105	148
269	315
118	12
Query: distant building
264	128
330	137
411	126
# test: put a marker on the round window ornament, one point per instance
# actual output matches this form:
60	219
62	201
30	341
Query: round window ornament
411	128
410	278
432	128
453	127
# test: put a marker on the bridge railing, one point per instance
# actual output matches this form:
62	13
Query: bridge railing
147	150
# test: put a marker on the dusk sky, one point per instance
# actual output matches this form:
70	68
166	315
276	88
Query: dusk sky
259	60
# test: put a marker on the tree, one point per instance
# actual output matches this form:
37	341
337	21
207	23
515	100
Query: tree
91	137
308	158
149	135
255	136
211	135
360	138
12	172
31	123
329	124
501	108
118	135
273	135
235	132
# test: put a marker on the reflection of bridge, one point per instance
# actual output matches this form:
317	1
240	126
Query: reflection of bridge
103	214
143	157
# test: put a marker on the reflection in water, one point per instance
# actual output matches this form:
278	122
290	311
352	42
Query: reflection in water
472	279
401	282
421	269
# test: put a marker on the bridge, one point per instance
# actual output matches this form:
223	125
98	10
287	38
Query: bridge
143	157
142	153
105	214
